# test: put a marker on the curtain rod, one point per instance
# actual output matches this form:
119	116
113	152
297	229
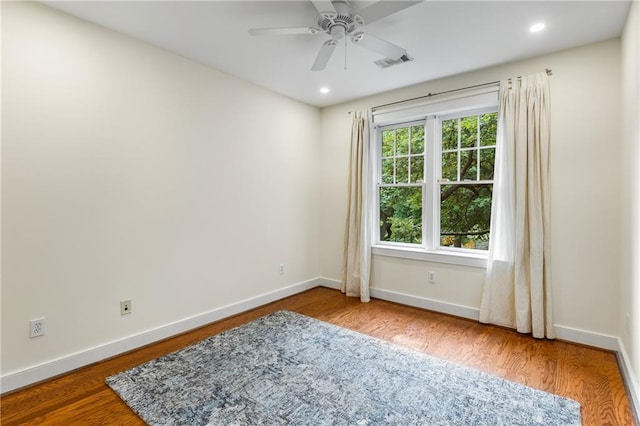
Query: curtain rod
428	95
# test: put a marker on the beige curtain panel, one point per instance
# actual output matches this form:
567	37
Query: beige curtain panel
517	290
357	252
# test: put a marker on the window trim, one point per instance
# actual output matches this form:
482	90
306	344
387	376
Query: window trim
475	260
431	115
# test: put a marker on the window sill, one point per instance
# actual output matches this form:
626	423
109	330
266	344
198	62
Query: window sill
452	258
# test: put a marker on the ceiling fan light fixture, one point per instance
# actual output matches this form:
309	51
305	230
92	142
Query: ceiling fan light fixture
324	90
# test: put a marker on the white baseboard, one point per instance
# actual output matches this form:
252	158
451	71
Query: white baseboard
630	380
330	283
589	338
411	300
47	370
574	335
424	303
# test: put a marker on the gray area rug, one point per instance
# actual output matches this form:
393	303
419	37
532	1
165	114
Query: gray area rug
287	368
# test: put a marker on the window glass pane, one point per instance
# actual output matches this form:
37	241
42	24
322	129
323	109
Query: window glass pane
417	169
487	159
450	165
387	170
465	216
388	137
468	131
401	214
402	141
450	134
402	170
468	165
488	129
417	139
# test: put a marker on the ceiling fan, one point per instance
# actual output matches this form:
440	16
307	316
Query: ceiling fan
340	21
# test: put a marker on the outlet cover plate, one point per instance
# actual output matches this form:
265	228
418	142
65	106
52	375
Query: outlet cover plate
36	327
125	307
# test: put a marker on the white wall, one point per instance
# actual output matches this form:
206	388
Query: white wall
585	159
132	173
630	189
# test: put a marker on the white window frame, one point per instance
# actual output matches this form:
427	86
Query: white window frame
431	114
378	180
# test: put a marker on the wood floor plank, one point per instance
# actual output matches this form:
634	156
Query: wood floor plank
100	408
590	376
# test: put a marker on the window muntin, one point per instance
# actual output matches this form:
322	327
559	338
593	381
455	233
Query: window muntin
434	186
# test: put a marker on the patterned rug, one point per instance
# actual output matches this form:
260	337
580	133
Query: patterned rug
287	368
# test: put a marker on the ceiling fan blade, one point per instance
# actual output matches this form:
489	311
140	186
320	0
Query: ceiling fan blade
383	47
382	9
324	55
283	31
325	8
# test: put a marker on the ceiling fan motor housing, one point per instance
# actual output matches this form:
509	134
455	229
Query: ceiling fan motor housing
339	24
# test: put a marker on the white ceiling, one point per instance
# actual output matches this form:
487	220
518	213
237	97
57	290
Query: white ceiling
444	37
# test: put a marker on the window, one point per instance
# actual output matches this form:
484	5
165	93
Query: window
435	181
402	182
468	152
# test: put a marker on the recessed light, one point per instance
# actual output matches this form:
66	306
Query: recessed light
536	28
324	90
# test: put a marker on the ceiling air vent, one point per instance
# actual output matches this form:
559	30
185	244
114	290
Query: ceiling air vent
387	62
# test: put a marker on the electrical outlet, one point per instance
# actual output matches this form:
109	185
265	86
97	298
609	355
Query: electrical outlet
432	277
282	269
125	307
36	327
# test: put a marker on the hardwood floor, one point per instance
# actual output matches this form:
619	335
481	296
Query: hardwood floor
590	376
